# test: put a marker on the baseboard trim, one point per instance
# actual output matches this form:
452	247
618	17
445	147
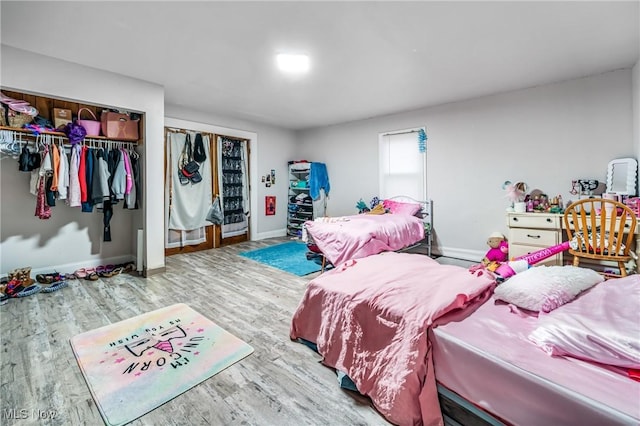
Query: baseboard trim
458	253
270	234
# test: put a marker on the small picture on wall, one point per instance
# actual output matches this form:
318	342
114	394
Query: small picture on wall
268	184
270	205
263	178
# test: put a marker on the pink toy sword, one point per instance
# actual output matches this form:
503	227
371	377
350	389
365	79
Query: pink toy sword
522	263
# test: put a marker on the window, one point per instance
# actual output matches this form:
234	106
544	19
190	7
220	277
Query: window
403	167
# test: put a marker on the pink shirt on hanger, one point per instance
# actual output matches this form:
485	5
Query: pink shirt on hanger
127	168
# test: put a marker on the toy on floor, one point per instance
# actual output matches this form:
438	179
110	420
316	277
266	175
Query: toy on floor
498	252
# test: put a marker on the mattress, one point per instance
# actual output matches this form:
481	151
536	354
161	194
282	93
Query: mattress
488	360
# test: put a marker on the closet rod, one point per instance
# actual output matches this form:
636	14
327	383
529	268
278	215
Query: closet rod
18	135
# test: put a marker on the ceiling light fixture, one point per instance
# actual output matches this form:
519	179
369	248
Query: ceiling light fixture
293	63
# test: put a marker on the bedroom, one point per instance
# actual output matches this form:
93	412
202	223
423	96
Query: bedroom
574	125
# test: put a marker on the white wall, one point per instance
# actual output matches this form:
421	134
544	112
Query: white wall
544	136
271	148
72	239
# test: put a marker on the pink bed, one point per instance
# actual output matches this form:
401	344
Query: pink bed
488	360
358	236
398	323
373	325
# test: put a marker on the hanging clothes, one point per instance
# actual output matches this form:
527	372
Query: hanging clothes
127	169
63	174
119	177
100	186
136	180
45	173
55	163
43	211
318	179
233	175
131	197
107	214
75	193
87	204
189	203
82	175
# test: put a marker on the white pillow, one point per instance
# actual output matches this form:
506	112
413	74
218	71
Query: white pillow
544	288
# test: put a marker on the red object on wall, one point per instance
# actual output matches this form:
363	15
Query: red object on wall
270	205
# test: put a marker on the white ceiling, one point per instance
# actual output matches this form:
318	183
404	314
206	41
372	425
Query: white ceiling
367	58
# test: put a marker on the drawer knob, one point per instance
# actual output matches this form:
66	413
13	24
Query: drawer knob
515	219
549	219
533	236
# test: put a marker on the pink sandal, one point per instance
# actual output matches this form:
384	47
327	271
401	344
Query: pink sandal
80	273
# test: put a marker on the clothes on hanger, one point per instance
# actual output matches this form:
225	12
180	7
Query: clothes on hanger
85	176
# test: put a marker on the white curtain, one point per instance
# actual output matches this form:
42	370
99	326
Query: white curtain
402	165
186	206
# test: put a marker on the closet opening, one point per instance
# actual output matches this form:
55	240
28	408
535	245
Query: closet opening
81	203
200	167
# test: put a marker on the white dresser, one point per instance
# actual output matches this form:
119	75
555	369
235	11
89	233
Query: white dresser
529	232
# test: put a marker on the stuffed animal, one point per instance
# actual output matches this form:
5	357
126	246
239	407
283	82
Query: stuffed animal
499	249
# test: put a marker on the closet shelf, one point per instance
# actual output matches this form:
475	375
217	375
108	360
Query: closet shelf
28	132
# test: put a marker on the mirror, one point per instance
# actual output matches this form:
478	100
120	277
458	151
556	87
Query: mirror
621	176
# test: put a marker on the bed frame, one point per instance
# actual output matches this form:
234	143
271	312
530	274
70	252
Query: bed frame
426	214
421	247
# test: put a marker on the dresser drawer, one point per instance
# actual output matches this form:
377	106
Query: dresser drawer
534	220
517	250
533	237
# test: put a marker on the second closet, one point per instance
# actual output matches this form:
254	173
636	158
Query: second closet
200	167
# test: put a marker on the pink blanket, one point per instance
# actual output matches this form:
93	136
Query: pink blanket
370	320
358	236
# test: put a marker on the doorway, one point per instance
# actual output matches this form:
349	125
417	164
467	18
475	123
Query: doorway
187	201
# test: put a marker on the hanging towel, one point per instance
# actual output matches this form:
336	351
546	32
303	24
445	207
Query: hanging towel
318	179
189	203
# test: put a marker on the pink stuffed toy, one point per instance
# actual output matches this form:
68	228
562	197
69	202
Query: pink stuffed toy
499	251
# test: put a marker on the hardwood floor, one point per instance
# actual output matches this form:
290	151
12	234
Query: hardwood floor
281	383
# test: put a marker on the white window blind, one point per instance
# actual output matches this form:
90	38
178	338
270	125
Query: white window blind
402	165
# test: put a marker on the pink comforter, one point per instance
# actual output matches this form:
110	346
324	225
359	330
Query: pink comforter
370	320
358	236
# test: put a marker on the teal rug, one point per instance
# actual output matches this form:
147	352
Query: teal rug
289	257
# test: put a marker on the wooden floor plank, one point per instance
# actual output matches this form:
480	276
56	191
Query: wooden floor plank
281	383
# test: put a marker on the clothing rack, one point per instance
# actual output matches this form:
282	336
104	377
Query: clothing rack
19	137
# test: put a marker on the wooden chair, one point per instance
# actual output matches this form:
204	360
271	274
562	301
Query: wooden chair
603	229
